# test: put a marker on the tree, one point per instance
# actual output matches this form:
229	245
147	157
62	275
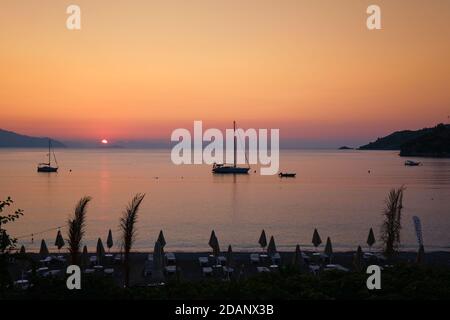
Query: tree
127	226
7	243
76	230
390	229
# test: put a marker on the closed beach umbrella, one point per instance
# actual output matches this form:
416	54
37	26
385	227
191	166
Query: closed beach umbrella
421	255
85	256
43	251
59	242
358	259
158	260
263	240
298	259
161	239
22	249
229	256
371	238
109	241
214	244
100	250
272	248
316	241
328	248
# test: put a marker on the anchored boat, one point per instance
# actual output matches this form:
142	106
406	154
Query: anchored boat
231	169
47	167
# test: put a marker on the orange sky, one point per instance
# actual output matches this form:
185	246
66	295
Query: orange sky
139	69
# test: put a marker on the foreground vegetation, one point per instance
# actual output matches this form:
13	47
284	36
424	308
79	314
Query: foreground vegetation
399	282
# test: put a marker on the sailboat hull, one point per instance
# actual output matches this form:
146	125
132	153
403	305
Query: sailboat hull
230	170
47	169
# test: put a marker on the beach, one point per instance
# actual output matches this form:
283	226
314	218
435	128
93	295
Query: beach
188	267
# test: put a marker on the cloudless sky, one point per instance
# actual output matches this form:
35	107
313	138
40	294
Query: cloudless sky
139	69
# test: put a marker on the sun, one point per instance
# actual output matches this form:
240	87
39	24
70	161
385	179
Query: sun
104	141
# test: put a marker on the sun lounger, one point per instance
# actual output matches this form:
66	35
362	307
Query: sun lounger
109	271
262	269
148	268
22	284
170	258
51	273
207	271
222	260
46	261
42	270
93	259
118	258
314	269
171	270
254	258
98	268
337	267
150	257
89	271
228	270
203	261
276	258
273	267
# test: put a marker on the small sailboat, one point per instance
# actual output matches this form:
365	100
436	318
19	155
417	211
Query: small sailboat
411	163
47	167
233	169
287	175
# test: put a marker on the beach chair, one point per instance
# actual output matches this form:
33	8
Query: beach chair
171	270
118	258
228	270
337	267
170	258
221	260
42	271
203	261
150	257
207	271
89	271
254	258
22	284
148	268
262	269
51	273
46	261
93	260
314	269
98	268
276	259
273	268
109	272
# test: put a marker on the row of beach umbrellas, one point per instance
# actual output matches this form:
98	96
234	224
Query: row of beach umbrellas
213	243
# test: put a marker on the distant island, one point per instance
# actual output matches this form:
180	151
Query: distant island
345	148
9	139
427	142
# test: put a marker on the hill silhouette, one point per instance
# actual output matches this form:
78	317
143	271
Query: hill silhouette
9	139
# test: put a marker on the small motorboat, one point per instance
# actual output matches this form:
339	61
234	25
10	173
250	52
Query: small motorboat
287	175
411	163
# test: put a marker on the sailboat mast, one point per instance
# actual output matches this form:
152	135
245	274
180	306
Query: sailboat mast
49	158
235	142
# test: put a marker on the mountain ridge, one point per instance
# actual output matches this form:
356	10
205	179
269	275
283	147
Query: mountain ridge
10	139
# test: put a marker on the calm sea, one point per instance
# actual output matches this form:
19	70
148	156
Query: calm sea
333	192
